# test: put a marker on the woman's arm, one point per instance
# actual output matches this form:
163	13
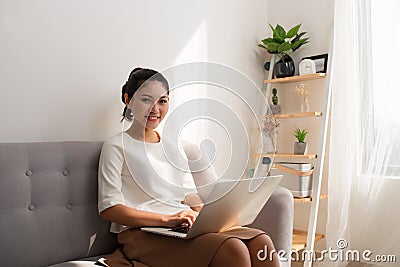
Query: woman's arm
203	173
193	201
124	215
111	199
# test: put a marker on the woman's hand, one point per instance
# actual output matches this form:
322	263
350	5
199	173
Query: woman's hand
186	217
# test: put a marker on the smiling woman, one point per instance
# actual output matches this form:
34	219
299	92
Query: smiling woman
137	77
140	185
147	103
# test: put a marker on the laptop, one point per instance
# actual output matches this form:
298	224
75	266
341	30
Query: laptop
231	203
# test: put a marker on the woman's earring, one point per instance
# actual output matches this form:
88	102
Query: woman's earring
128	114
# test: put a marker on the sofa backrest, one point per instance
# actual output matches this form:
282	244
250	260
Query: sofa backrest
48	203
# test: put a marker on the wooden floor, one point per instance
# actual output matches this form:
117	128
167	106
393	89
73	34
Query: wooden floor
299	239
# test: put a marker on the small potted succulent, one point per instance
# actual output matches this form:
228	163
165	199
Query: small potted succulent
275	108
300	147
282	43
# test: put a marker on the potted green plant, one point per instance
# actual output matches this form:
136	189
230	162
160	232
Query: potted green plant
300	146
275	108
283	43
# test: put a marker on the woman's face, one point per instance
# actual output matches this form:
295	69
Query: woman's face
150	104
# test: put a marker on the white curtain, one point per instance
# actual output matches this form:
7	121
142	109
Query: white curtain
364	145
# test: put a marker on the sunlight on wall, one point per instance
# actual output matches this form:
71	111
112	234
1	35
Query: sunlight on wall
194	50
199	129
196	47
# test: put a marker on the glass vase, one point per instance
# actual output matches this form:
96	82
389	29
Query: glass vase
268	143
304	104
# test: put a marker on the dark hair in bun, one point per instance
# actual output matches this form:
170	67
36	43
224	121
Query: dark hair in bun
136	78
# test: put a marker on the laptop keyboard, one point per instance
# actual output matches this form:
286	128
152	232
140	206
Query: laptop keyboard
180	229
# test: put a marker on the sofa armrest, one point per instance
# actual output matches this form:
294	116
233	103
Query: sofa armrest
276	219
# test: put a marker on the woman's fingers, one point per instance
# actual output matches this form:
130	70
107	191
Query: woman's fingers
192	215
187	217
187	220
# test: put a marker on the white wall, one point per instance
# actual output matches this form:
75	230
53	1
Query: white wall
63	62
317	20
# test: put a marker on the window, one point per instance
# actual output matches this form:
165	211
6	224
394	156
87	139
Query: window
385	23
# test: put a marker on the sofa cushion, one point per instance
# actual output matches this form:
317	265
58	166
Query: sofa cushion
48	203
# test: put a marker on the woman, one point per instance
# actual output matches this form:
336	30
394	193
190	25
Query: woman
138	186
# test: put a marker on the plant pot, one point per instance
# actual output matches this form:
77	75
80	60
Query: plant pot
284	69
300	148
276	109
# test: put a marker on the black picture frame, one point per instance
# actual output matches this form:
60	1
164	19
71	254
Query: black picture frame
321	62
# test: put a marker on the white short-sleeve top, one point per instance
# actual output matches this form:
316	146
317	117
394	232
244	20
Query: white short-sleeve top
146	176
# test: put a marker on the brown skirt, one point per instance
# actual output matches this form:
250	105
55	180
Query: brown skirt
157	250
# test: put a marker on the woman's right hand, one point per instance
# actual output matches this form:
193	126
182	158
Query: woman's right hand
186	217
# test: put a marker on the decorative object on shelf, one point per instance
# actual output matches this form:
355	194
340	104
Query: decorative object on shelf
300	147
263	167
297	178
321	62
269	130
282	43
267	65
304	92
307	66
284	69
275	108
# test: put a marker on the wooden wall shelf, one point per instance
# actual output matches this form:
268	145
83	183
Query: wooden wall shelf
308	199
294	115
299	239
287	155
301	78
298	115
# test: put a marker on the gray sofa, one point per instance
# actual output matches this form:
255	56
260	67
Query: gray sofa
48	206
